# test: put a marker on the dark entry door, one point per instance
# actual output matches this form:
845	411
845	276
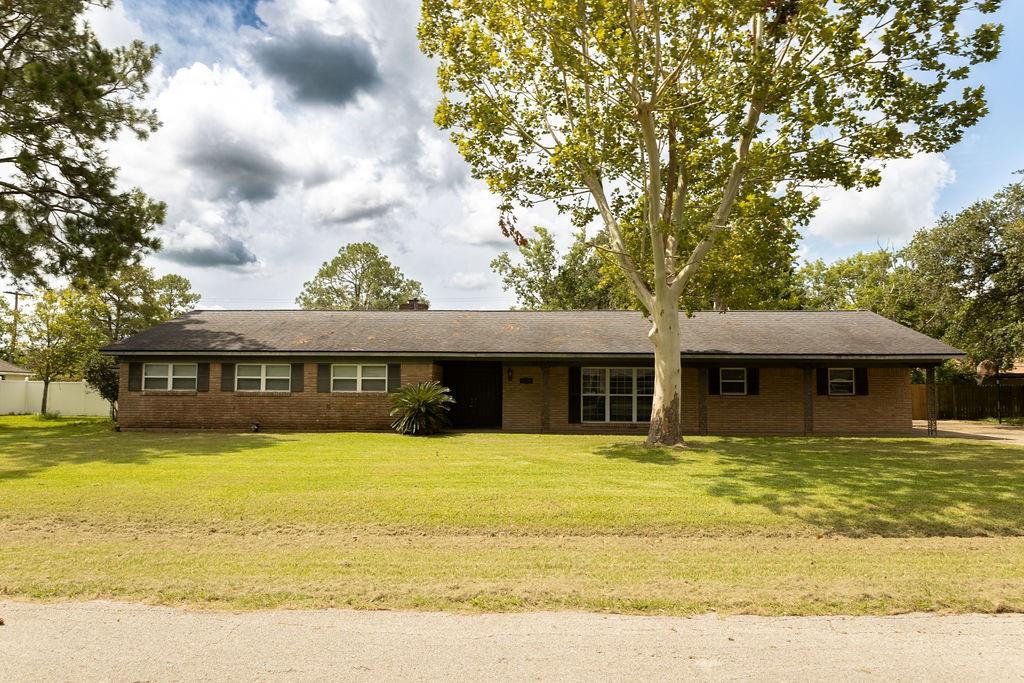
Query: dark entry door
476	388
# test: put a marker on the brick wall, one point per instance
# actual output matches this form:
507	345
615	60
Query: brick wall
778	409
885	410
308	409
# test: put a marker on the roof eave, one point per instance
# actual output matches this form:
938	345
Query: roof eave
901	357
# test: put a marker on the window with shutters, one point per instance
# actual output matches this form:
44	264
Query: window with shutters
169	376
364	378
263	377
841	382
616	394
732	381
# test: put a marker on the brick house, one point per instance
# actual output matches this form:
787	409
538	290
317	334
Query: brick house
749	372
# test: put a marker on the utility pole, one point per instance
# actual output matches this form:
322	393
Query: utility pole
17	294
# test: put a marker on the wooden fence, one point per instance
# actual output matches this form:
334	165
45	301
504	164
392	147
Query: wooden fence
969	401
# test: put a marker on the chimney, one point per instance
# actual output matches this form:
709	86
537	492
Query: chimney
414	305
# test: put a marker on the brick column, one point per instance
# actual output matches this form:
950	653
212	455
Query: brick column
545	406
933	409
702	401
808	401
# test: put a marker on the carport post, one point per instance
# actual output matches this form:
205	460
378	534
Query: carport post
930	392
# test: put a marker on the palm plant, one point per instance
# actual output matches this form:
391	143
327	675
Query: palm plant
421	409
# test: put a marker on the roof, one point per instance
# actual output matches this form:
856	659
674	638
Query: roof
784	334
12	369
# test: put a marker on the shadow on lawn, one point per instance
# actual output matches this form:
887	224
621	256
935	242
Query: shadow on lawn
896	487
28	449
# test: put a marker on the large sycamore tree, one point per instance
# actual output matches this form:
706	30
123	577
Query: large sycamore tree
671	121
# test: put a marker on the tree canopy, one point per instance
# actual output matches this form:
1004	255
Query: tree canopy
676	122
360	277
961	280
63	96
59	337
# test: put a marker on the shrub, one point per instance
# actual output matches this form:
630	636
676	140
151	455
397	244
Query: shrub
421	409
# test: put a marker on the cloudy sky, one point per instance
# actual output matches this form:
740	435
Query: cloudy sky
292	127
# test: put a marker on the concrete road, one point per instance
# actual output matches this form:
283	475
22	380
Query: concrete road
119	642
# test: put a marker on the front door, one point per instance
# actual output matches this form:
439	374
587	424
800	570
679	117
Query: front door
476	388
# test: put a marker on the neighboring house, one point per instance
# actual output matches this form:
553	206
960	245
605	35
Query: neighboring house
11	372
753	372
1014	375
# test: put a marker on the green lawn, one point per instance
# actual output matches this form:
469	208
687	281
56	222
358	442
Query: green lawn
502	521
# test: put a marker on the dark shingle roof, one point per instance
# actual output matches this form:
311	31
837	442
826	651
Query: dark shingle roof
512	333
11	368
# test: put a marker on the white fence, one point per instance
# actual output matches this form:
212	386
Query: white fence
66	398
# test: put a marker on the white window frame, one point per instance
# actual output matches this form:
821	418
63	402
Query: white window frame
608	395
359	378
263	378
852	381
170	376
722	381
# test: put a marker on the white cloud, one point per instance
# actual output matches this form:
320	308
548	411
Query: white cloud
113	26
470	281
262	186
477	220
903	202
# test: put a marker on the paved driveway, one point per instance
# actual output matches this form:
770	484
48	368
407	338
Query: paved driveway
964	429
118	642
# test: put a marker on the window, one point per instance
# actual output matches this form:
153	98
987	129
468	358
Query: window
259	377
169	376
616	394
359	378
841	382
732	381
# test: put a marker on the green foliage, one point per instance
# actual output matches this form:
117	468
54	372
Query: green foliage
132	300
62	98
59	336
969	272
739	107
877	281
358	278
961	280
100	372
421	409
544	282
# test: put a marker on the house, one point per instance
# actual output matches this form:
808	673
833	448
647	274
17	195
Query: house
750	372
10	372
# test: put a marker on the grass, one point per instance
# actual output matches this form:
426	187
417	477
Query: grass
502	521
1012	421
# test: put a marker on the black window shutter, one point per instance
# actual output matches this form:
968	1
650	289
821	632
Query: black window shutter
298	378
822	381
227	376
753	381
202	376
575	387
135	377
714	381
323	378
860	380
394	377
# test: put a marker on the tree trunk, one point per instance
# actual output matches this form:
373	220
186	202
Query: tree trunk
666	414
46	392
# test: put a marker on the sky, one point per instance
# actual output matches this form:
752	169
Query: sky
293	127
